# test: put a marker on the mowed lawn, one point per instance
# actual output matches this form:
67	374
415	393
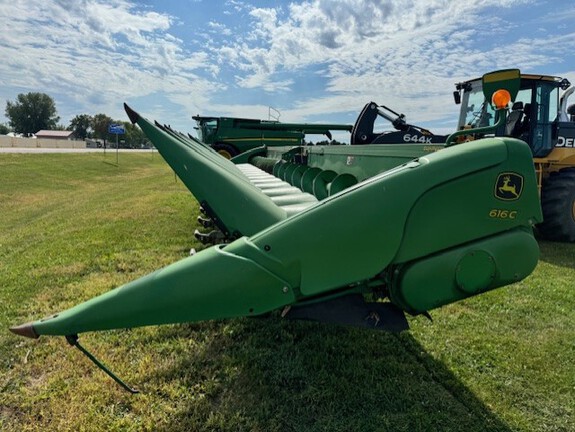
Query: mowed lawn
74	226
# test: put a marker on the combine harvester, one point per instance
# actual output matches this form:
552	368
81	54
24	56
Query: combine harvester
230	136
367	233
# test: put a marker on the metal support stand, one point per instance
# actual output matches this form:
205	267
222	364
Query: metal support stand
73	340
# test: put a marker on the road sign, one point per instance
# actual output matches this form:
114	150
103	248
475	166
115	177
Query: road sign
116	129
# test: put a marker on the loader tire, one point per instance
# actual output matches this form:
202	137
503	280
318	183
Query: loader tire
558	205
225	150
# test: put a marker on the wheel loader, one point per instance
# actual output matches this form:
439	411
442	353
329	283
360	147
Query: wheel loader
542	118
358	235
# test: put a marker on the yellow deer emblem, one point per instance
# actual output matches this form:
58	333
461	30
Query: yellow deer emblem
508	186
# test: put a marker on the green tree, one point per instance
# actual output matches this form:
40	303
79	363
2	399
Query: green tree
4	129
82	126
134	137
32	112
100	124
322	143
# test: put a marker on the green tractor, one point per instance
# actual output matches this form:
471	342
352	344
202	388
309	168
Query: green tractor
357	235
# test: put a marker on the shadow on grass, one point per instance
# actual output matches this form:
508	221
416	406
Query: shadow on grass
275	375
559	254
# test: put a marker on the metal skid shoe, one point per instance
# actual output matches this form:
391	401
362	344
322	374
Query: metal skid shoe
213	237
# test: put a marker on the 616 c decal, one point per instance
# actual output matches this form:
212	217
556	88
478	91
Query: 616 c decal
503	214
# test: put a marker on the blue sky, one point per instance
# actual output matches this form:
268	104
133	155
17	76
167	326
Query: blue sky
314	61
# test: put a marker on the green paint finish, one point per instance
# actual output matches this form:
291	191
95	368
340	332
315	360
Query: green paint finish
217	181
250	154
475	271
403	215
280	168
424	207
308	178
466	207
297	175
463	271
290	168
321	183
341	182
197	288
365	161
428	228
246	134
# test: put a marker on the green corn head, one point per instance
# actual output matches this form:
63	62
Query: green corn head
431	231
320	231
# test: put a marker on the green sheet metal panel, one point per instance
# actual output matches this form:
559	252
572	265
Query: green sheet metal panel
465	271
377	216
364	161
441	217
210	178
211	284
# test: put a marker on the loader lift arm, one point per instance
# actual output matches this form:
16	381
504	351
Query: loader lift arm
363	130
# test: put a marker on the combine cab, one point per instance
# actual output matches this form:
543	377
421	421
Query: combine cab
356	235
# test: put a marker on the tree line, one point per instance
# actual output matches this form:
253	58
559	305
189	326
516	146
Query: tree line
323	143
32	112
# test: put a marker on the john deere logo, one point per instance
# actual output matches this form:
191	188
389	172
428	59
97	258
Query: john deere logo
508	186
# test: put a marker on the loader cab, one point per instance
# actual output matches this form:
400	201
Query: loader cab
532	118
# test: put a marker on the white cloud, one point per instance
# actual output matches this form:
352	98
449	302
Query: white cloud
405	54
97	53
263	81
219	28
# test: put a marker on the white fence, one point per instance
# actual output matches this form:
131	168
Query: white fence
7	141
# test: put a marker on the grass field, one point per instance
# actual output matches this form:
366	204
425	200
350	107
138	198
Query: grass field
73	226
